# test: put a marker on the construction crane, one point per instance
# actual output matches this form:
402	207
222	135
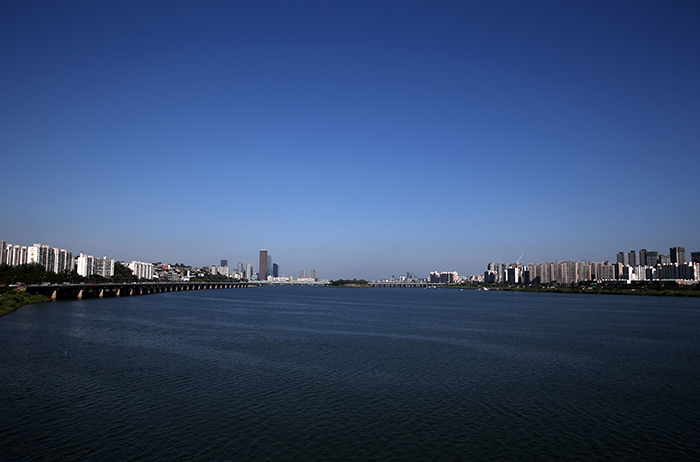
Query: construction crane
518	262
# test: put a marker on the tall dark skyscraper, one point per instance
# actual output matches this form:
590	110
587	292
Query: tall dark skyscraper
621	258
652	257
643	257
275	270
633	259
262	272
224	262
677	254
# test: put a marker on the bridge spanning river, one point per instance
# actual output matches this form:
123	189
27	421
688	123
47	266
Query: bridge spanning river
127	289
405	284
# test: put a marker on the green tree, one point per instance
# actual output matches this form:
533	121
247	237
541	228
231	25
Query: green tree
30	273
122	273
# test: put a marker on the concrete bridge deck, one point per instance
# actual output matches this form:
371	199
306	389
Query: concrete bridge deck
127	289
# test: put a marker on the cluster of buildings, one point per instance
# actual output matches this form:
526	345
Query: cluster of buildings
241	271
269	271
62	261
642	265
55	259
87	265
266	269
51	258
443	277
435	277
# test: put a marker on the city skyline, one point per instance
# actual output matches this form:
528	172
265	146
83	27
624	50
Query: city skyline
361	139
636	265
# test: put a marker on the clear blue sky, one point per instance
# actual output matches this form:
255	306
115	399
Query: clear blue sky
362	139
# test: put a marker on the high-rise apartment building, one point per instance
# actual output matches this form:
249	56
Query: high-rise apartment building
633	258
312	274
141	270
275	270
51	258
621	258
222	270
262	271
248	271
695	257
224	263
643	257
583	271
302	274
85	265
33	253
652	258
448	277
104	267
677	255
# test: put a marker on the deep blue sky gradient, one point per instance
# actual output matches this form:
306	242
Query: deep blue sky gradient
362	139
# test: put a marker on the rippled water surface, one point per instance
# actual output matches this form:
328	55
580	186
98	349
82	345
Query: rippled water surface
299	373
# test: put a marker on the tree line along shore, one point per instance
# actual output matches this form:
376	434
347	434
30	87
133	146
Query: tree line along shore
657	288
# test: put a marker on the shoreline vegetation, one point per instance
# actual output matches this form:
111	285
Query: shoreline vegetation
11	299
659	289
351	283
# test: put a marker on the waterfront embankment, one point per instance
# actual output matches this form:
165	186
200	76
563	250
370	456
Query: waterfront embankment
658	290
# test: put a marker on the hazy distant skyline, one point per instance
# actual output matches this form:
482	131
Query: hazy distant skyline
361	139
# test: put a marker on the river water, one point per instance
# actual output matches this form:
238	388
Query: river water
394	374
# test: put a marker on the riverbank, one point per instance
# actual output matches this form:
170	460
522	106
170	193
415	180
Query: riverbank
10	300
349	283
679	291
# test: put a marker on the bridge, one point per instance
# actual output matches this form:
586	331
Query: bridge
127	289
405	284
293	282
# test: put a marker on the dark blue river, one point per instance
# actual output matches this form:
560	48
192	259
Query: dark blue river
300	373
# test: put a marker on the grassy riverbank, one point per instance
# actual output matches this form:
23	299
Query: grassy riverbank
11	299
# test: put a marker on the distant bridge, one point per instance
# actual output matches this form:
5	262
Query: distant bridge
293	282
127	289
405	284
